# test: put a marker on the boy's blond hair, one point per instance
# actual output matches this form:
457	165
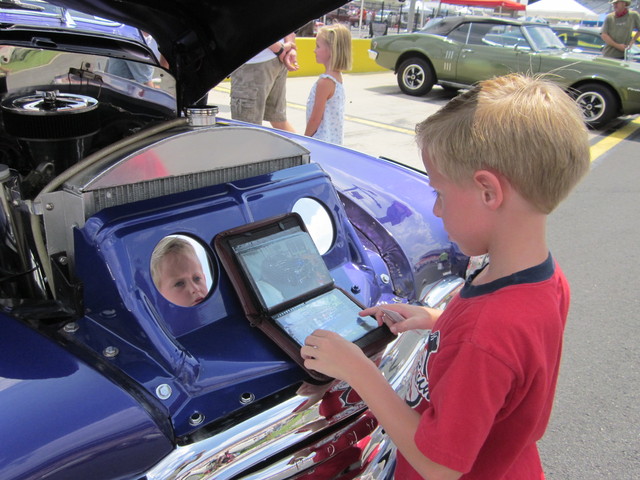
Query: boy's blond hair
338	37
527	129
166	246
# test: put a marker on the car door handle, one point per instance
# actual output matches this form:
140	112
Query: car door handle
467	50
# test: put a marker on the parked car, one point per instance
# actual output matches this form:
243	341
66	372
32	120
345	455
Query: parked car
102	376
344	15
309	29
580	39
456	52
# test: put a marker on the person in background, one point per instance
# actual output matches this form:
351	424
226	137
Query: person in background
258	88
177	273
618	28
325	105
483	387
140	72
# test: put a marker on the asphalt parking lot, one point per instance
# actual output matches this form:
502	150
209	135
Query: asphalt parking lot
595	427
379	119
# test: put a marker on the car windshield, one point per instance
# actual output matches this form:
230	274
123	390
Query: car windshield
543	38
431	25
440	25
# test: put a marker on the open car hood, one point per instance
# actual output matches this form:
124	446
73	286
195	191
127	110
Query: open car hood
205	40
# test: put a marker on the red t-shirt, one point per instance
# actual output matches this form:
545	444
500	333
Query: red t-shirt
485	383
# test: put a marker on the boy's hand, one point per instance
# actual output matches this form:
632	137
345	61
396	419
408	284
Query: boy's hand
404	317
329	353
389	317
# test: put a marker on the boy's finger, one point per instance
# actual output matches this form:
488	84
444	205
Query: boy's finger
369	311
390	317
307	352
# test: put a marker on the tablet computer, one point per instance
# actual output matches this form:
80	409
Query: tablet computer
287	290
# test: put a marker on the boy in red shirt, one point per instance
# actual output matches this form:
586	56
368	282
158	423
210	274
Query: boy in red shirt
500	158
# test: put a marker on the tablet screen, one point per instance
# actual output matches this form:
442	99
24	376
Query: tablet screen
283	266
333	311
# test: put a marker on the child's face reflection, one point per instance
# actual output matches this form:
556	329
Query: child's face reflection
182	280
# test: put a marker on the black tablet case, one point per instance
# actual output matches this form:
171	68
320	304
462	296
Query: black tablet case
309	272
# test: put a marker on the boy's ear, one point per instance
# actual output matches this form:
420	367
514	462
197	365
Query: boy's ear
490	187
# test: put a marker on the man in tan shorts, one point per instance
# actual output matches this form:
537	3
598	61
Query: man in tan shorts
258	88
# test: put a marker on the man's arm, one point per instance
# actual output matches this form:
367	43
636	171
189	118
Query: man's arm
612	43
286	52
604	34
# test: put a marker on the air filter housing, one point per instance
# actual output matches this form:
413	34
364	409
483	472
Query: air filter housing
53	127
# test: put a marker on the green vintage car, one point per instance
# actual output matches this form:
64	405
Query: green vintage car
456	52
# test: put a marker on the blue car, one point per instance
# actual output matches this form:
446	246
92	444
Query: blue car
41	13
107	374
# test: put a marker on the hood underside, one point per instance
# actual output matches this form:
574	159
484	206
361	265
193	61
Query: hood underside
205	40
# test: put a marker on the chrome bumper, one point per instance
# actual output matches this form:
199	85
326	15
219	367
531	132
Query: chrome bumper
320	432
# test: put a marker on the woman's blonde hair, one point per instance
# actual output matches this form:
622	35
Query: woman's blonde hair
526	128
338	37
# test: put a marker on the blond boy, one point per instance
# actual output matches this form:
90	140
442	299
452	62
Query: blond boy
177	272
500	158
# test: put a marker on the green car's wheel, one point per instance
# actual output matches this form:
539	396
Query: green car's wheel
415	77
598	103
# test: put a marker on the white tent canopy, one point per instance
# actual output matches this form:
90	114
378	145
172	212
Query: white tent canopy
561	9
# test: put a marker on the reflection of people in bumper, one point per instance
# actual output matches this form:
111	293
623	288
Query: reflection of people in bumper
177	272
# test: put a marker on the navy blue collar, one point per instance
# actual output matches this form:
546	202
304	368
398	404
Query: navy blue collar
536	274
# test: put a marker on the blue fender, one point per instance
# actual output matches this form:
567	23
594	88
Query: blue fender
63	419
391	207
